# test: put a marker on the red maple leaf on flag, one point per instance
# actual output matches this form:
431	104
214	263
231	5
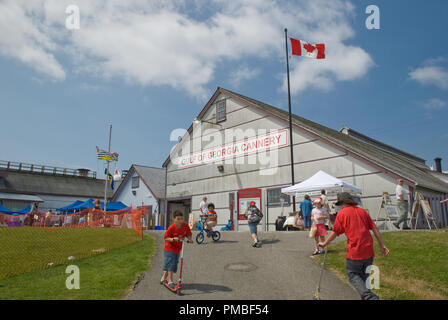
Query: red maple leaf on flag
309	48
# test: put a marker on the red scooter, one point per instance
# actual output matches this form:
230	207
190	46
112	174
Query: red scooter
177	288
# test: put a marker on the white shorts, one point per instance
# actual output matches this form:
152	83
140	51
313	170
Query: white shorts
211	224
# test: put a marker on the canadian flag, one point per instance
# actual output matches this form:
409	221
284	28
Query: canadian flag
304	49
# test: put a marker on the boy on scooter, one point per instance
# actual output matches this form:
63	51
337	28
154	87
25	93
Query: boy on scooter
173	245
211	219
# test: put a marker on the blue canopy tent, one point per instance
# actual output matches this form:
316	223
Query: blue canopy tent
4	210
70	207
111	206
115	206
25	210
84	205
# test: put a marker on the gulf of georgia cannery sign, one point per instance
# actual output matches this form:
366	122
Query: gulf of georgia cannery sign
260	143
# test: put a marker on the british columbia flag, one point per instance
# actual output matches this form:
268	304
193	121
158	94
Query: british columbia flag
104	155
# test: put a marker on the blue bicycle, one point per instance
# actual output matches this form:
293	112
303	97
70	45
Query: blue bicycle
215	235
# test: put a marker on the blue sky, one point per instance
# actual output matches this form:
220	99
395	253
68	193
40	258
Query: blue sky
150	68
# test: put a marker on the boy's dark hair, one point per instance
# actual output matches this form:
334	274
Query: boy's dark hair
211	205
349	202
177	214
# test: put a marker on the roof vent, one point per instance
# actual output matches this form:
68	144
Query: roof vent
84	172
438	162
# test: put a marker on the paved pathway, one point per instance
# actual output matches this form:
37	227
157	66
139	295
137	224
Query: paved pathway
282	268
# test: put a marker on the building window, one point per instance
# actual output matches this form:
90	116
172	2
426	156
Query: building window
135	182
221	111
274	196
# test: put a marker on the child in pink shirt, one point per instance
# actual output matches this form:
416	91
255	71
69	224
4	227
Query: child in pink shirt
318	217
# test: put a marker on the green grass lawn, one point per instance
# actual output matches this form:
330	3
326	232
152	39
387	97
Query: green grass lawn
103	276
416	268
26	249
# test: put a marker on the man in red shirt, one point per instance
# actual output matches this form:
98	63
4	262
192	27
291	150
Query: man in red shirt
174	236
356	223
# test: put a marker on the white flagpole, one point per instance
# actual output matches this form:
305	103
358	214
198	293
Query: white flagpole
105	182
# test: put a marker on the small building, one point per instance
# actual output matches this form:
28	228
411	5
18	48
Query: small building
143	186
255	164
22	184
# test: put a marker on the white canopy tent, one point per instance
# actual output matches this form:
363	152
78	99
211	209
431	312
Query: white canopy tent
321	181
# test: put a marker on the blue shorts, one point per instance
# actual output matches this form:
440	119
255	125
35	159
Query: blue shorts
253	227
170	261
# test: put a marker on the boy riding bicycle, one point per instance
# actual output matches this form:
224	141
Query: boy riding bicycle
211	219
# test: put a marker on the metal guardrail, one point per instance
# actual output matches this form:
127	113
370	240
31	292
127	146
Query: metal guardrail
49	170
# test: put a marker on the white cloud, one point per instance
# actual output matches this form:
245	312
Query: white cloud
431	73
243	73
435	104
22	36
179	43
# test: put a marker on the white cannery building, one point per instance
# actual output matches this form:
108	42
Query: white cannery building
238	149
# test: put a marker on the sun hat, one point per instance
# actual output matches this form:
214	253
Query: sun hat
317	200
252	204
343	196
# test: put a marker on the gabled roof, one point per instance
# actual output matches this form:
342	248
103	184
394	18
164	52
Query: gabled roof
358	135
153	178
415	174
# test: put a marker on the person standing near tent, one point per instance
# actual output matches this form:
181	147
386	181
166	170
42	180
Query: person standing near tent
92	212
34	213
97	204
402	195
47	220
325	204
334	215
306	207
356	224
319	215
253	216
324	198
